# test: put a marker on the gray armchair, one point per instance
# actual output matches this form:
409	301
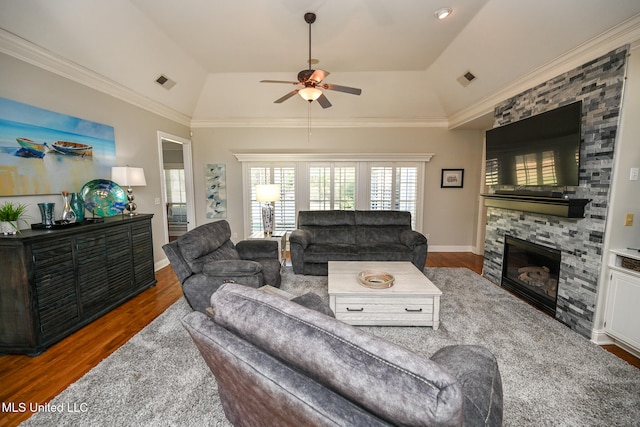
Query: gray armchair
205	258
278	363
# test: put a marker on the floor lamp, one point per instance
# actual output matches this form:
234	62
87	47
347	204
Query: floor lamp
131	177
269	194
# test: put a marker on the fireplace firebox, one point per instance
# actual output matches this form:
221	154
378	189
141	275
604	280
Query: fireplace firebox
531	272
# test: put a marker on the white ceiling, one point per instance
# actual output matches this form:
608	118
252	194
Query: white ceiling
403	58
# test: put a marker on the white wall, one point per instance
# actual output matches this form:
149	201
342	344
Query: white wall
449	214
135	131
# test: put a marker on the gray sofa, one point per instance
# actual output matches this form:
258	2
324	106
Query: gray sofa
324	236
277	363
205	258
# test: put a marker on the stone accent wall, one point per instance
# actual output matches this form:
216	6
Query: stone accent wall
599	85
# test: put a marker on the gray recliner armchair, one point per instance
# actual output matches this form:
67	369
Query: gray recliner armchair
205	258
278	363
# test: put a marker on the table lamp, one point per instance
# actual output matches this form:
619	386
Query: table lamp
269	194
131	177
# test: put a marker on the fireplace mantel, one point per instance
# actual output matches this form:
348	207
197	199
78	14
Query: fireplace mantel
567	208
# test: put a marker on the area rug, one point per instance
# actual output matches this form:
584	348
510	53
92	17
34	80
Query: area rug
551	375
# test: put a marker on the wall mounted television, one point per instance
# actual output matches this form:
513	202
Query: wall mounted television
539	151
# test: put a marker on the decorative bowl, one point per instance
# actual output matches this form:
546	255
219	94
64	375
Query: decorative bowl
375	279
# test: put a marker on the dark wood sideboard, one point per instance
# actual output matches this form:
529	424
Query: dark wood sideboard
53	282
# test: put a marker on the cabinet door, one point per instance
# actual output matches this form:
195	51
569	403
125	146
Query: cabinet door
56	292
142	254
93	279
119	263
623	308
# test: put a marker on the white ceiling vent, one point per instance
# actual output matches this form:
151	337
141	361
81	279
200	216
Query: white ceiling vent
466	78
165	82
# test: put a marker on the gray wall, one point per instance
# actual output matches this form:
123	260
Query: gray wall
599	84
449	214
135	131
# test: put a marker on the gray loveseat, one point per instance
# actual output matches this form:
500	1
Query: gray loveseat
205	258
277	363
324	236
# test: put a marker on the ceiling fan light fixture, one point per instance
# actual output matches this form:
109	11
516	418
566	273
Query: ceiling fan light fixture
443	13
310	93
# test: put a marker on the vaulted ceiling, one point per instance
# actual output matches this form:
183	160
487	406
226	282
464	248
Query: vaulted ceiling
405	60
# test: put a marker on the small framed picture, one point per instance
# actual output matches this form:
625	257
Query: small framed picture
452	178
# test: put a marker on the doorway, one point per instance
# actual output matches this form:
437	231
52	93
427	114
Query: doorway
177	185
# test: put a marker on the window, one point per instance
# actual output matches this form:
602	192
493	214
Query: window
394	187
285	208
175	186
325	181
332	186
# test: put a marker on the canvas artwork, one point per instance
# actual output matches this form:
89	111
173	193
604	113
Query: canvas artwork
216	191
44	152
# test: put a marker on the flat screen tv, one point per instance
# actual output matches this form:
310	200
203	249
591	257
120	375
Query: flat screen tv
539	151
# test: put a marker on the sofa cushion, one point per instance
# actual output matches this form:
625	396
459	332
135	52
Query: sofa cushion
333	252
383	218
390	381
225	252
209	238
385	252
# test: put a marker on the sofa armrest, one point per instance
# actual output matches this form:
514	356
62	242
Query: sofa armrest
178	263
257	249
231	267
476	370
412	238
300	237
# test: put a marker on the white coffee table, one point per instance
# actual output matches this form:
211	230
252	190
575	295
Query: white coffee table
412	301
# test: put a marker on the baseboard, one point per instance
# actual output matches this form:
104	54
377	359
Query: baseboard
445	248
160	264
600	337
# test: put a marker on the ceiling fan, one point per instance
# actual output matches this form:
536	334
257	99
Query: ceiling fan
311	80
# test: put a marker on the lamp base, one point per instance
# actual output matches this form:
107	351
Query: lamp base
267	219
130	206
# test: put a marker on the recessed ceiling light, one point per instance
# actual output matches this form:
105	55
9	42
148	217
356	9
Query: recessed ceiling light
443	13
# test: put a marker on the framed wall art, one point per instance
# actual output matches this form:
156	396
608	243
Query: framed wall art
216	190
44	152
452	178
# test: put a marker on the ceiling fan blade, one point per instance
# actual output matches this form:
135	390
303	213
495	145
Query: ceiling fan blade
279	81
287	96
318	76
345	89
323	101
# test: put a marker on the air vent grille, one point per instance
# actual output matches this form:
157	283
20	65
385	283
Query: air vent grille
165	82
466	78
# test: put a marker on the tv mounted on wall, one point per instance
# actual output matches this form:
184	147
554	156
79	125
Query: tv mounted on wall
539	151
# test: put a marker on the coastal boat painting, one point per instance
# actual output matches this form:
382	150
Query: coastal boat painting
44	152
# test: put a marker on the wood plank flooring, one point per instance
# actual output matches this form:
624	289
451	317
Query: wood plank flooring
39	379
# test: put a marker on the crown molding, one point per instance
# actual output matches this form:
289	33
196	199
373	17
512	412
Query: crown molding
627	32
273	156
316	123
28	52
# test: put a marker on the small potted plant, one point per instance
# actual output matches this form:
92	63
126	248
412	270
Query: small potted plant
10	214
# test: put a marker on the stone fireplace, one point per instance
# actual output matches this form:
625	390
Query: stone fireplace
531	272
599	84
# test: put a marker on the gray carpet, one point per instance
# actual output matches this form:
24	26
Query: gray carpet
551	376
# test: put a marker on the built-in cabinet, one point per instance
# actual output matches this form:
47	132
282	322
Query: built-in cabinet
622	313
53	282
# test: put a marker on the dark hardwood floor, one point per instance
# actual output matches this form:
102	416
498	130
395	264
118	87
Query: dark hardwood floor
39	379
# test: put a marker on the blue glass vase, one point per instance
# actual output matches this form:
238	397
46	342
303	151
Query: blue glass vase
77	205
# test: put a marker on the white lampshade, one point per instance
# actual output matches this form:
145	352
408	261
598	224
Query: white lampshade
310	93
267	192
128	176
